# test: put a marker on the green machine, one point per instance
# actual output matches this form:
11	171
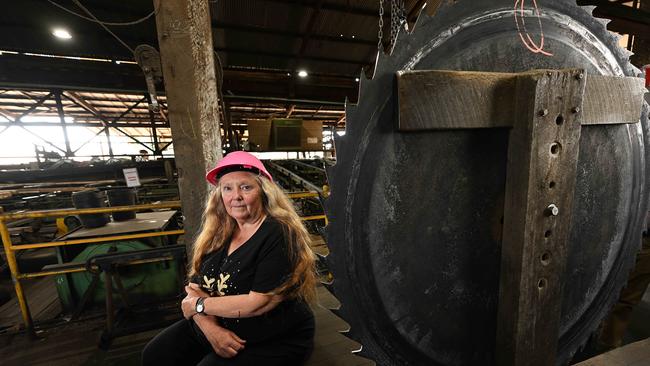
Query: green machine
143	282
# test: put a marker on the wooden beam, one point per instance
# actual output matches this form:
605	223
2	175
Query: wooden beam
439	100
187	57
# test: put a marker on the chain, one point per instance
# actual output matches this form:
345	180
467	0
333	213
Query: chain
380	33
397	18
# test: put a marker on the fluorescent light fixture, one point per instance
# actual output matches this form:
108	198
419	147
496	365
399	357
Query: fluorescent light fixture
303	73
118	62
61	33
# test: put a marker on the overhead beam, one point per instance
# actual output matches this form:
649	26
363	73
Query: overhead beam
77	99
354	10
292	56
289	34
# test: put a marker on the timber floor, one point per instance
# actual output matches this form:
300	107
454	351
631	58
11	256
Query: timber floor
76	343
634	354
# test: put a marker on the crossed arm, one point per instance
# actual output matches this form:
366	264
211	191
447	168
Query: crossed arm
225	343
232	306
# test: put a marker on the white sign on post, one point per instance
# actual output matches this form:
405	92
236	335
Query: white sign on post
131	177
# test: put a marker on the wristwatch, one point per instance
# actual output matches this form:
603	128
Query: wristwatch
200	307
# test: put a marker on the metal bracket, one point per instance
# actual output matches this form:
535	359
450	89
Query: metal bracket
148	59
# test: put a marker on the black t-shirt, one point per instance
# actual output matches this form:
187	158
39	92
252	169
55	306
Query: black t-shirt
261	265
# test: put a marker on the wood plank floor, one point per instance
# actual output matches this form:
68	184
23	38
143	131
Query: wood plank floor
635	354
76	344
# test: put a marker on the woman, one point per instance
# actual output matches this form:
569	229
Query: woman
251	276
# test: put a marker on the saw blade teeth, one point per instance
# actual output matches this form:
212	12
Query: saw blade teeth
358	351
351	334
604	22
329	286
589	8
362	352
628	53
402	39
327	201
338	140
338	312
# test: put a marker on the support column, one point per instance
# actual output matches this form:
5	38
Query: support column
185	40
108	140
59	108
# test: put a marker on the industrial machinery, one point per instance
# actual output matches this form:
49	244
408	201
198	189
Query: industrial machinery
415	218
143	282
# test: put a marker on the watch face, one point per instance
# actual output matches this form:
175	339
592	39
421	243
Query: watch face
199	306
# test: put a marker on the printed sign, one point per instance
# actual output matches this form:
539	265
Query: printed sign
131	177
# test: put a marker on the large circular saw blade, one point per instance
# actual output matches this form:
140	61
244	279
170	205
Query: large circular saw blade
415	218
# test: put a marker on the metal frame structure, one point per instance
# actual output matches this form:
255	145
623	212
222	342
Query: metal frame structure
125	113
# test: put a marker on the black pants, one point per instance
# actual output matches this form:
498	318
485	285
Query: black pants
183	343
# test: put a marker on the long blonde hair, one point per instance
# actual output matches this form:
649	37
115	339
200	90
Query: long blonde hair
218	227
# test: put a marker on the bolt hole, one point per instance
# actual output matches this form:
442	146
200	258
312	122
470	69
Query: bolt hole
546	258
547	234
559	120
551	184
541	283
555	148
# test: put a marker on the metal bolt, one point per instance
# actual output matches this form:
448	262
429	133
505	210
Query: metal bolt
552	210
543	112
575	110
580	76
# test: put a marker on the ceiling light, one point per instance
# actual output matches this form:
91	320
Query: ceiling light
353	36
288	74
302	73
61	33
356	79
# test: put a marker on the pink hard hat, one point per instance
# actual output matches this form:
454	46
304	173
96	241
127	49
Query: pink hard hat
237	161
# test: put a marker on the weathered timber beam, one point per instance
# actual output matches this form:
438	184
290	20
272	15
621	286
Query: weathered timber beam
439	100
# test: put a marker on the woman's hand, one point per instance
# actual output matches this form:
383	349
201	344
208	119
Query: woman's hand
224	342
188	305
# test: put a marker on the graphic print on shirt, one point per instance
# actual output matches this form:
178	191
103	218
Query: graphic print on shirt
216	286
221	284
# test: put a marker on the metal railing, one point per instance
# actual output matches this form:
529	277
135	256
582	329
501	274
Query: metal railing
10	248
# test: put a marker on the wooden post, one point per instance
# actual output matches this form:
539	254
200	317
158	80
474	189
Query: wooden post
185	39
541	175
